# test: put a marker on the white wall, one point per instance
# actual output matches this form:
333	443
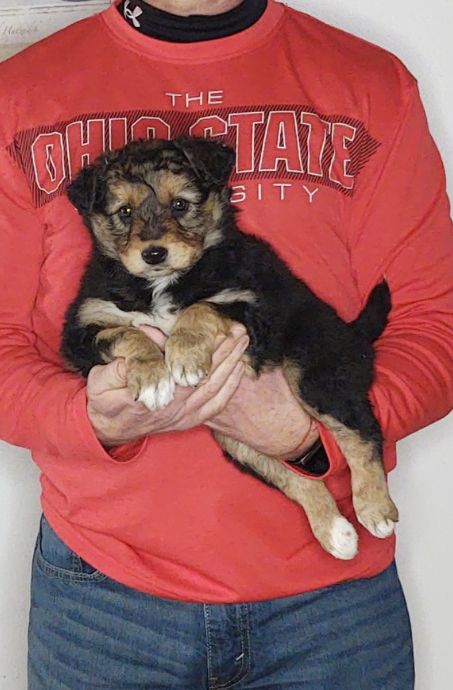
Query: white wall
420	34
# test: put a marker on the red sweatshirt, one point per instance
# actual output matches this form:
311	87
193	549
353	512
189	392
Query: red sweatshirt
335	167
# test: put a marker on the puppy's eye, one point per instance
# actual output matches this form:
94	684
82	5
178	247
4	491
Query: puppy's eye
179	205
125	212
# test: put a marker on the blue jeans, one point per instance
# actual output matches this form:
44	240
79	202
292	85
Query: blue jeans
89	632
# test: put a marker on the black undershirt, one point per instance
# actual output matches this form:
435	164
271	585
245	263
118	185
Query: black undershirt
197	27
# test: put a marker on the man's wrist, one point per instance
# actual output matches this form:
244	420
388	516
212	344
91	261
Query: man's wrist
305	444
305	457
315	462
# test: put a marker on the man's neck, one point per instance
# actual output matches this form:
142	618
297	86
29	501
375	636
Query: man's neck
187	7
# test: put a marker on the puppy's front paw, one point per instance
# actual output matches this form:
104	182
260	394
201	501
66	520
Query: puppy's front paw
150	382
188	358
158	395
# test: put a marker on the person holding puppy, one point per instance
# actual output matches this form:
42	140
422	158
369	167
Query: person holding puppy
158	564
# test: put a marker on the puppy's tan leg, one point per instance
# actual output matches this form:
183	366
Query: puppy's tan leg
374	508
335	534
189	349
148	378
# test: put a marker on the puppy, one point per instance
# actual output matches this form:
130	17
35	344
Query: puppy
168	252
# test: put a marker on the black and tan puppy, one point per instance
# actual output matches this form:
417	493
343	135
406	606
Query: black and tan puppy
168	252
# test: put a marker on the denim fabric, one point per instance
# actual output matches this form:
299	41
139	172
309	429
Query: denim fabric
89	632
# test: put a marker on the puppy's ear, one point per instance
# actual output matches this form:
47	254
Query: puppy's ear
211	162
87	190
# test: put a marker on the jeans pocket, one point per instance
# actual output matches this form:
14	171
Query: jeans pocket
56	559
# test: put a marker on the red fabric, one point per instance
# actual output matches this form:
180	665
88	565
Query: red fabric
342	178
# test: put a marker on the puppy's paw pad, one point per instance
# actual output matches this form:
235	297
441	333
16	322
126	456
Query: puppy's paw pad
343	539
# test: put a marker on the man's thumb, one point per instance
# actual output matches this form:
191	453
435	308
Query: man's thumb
155	335
107	377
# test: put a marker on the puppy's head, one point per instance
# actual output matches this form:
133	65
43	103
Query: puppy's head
156	206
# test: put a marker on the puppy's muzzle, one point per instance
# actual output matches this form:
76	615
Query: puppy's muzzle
154	255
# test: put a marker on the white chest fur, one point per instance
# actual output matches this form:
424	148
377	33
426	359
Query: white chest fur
164	313
105	313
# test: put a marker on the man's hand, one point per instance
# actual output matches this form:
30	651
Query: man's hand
117	419
265	415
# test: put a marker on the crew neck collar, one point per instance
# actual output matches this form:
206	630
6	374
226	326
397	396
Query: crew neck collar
199	51
174	28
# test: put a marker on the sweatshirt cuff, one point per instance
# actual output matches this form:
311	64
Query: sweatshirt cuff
330	449
83	440
336	458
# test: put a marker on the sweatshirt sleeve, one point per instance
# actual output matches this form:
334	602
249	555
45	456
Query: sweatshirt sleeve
400	229
42	407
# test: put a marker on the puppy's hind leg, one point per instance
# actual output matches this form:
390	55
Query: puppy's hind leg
334	533
373	506
357	433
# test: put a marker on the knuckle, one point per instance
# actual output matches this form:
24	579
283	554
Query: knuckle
216	408
92	374
210	392
225	346
137	409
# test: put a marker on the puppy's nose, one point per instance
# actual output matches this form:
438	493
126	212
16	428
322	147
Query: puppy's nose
154	255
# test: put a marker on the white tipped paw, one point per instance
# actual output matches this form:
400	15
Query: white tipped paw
158	395
188	357
378	528
187	377
150	382
343	539
385	528
379	517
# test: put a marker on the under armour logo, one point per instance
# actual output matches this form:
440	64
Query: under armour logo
132	15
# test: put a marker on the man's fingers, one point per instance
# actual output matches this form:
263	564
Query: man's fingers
107	377
225	348
216	404
220	372
237	329
156	335
227	356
